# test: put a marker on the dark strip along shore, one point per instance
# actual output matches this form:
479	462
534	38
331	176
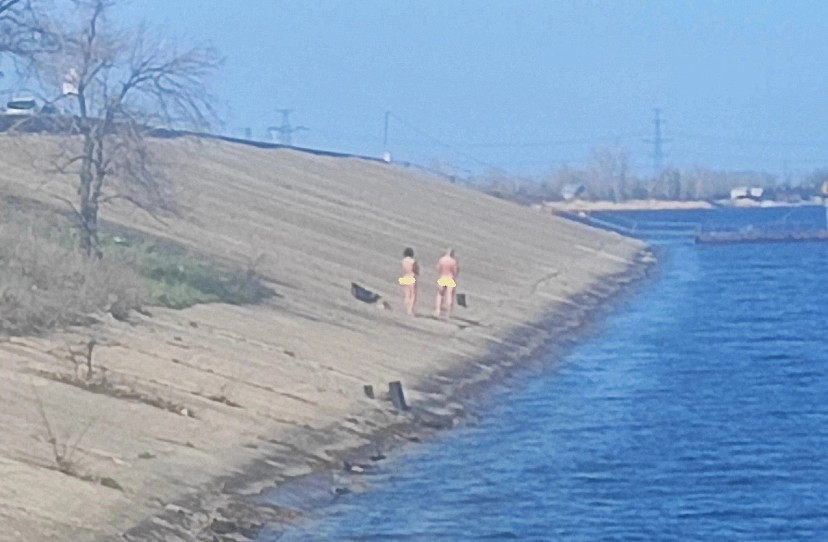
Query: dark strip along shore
240	507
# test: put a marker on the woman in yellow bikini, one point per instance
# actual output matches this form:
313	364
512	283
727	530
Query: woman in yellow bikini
411	271
447	270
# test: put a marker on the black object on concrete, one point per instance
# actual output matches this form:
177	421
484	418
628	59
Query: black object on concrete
369	390
461	300
397	397
363	294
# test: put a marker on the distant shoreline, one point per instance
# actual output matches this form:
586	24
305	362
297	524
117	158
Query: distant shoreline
277	506
657	205
630	205
224	401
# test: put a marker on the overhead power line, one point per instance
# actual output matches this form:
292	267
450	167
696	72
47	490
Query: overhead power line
444	144
740	141
562	142
456	147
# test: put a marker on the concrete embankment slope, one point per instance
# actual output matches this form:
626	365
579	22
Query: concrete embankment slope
282	380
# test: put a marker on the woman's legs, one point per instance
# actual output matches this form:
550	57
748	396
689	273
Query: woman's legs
438	307
413	299
410	298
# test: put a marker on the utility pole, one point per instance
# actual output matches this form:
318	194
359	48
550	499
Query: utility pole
386	154
285	130
385	136
658	142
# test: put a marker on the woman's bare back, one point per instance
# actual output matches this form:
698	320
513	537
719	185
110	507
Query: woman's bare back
410	267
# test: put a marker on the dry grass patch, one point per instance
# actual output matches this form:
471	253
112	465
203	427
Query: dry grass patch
46	282
44	285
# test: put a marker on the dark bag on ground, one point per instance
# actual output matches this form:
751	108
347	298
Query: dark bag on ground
364	295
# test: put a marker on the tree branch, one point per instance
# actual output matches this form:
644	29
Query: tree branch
71	205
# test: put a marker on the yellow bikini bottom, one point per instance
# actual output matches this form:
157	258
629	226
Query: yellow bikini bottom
407	281
446	282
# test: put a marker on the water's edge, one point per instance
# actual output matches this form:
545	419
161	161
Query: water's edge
239	505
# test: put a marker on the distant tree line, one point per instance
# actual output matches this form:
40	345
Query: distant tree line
607	177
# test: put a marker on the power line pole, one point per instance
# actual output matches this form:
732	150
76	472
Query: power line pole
386	154
285	130
385	136
658	142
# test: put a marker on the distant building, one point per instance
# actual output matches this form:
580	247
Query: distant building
70	83
571	191
740	192
747	192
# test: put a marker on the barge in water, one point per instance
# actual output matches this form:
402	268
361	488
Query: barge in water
761	236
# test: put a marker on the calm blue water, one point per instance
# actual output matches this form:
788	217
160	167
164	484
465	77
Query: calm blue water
698	412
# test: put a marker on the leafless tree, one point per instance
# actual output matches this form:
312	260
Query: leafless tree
667	185
117	88
63	447
608	173
20	34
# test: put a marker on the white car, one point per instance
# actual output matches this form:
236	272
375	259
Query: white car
21	106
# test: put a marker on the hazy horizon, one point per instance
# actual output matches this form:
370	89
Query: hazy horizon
526	87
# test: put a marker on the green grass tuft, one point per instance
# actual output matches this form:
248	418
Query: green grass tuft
46	283
178	279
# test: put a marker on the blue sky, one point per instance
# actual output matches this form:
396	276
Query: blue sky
524	85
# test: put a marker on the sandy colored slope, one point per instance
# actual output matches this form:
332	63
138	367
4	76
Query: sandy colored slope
294	365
